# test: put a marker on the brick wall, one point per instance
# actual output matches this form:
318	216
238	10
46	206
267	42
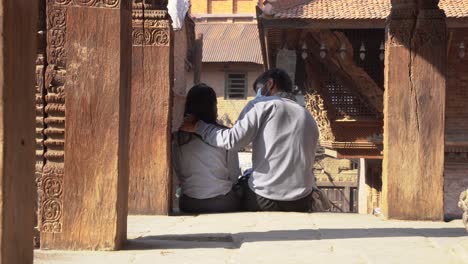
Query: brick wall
199	6
223	6
245	6
456	158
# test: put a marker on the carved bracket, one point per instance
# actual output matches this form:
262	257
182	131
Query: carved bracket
316	106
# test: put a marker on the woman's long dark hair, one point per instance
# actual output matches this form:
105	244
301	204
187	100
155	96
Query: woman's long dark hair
202	103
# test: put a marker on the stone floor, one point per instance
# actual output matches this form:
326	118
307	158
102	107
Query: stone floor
279	238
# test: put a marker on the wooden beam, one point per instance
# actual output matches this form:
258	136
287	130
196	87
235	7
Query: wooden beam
299	23
452	22
17	123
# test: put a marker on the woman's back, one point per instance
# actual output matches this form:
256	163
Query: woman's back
204	171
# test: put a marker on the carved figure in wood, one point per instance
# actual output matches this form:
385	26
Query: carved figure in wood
463	204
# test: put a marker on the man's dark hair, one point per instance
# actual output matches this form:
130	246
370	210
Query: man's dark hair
201	102
280	78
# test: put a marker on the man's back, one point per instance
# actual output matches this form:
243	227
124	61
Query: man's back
283	149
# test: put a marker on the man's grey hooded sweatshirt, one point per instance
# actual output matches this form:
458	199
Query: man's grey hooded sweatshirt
284	137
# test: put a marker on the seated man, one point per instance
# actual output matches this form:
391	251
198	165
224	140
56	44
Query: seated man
284	137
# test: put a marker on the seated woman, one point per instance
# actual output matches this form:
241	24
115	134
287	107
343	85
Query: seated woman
207	174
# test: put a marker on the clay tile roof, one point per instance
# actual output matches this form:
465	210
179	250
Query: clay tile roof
230	42
359	9
455	8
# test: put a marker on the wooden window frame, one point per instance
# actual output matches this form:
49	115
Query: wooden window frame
226	86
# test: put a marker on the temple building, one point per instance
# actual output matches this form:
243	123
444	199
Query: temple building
336	51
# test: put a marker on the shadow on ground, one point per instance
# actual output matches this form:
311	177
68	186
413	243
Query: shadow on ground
235	240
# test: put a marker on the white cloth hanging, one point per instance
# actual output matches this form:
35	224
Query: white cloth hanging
177	9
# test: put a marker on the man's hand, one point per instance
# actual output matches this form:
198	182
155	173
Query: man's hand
190	121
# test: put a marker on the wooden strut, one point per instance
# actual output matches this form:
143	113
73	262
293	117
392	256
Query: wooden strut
346	69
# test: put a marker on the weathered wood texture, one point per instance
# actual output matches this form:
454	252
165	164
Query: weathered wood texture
96	139
182	65
414	121
17	143
456	130
150	125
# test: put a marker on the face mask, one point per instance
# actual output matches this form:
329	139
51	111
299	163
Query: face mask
262	90
259	93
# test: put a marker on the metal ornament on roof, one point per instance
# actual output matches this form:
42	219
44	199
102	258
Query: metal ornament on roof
304	51
343	51
362	51
382	51
323	51
461	50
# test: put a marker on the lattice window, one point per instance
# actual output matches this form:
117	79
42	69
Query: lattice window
346	103
236	86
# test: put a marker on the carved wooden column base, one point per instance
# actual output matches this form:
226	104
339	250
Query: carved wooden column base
414	114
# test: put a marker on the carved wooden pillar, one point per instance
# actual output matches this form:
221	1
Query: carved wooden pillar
40	113
151	97
50	183
85	180
414	111
17	144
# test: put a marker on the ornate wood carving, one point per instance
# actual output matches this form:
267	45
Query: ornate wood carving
50	187
40	114
151	27
90	3
316	106
149	4
52	202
